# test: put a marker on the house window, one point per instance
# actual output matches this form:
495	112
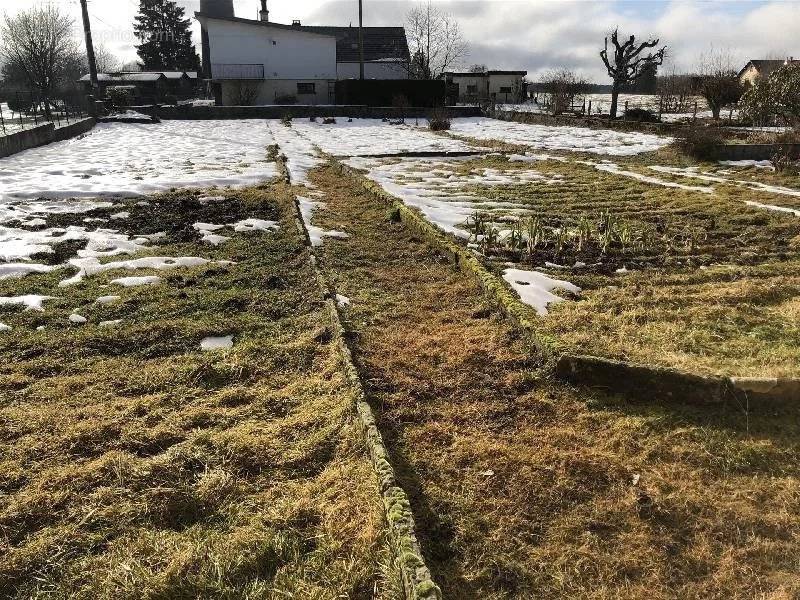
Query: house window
305	88
505	89
472	88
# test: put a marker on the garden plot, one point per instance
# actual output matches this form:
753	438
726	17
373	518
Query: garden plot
572	139
450	191
608	240
189	437
523	488
364	137
125	160
668	275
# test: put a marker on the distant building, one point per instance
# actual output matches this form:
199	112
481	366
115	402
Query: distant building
261	62
758	69
487	86
148	87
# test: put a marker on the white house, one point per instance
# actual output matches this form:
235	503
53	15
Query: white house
482	86
260	62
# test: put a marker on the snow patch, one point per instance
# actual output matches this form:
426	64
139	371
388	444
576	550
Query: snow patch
535	288
137	281
88	267
29	301
210	344
255	225
123	160
16	270
315	234
575	139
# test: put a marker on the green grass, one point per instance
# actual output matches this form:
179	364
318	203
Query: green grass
136	466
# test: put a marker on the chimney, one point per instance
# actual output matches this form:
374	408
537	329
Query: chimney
264	14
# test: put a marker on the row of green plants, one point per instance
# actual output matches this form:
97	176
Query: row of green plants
605	234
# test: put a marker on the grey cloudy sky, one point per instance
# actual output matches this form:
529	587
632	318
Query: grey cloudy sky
534	35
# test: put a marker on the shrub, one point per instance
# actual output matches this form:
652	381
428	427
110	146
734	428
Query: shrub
785	162
439	120
119	96
329	121
287	119
701	142
435	124
641	115
20	104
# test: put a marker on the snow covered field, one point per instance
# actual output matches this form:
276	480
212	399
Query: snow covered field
364	137
601	103
117	159
575	139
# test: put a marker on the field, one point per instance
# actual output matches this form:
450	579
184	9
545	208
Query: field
136	464
176	421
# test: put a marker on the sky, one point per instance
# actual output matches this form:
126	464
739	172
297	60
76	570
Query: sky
532	35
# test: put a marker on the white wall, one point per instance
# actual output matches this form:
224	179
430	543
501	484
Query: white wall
372	70
270	89
285	53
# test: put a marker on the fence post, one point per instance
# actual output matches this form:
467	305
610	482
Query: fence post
626	108
660	107
590	108
694	114
2	120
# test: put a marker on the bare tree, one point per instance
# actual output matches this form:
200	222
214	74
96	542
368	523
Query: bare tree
718	80
562	86
435	41
478	69
37	41
628	63
674	91
107	61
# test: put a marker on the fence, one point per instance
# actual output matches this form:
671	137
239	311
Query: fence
665	108
24	110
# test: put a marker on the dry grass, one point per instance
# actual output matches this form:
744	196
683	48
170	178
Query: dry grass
135	466
525	488
710	291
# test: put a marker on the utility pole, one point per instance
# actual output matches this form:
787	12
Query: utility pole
361	40
87	30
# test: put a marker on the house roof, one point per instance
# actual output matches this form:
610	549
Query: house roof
380	43
766	65
143	76
483	74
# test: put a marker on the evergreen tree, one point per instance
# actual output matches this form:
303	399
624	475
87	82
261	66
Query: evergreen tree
165	36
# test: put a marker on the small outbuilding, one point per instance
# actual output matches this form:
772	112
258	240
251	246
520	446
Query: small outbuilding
148	87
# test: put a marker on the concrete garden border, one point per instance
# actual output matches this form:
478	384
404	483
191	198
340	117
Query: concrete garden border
415	575
674	384
42	135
